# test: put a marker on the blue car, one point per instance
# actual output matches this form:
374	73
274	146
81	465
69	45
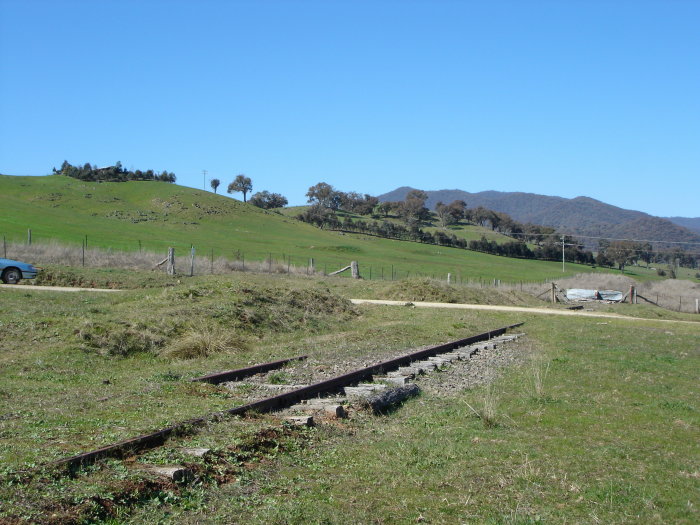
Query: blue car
11	272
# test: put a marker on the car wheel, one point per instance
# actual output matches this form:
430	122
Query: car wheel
11	276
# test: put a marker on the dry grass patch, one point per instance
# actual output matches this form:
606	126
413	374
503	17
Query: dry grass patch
204	340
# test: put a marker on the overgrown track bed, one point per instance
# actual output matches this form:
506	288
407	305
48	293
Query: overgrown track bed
240	373
277	402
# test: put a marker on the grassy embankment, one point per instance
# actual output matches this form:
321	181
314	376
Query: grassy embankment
153	216
609	435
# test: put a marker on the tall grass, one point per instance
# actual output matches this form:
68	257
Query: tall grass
539	377
488	409
67	255
204	340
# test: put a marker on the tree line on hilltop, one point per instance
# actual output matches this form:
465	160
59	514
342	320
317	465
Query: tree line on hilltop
114	173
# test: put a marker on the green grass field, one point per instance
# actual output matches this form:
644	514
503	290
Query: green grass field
153	216
610	435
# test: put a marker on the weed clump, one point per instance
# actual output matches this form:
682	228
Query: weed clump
122	339
488	413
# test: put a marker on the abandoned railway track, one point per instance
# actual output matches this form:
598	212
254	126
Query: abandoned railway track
392	367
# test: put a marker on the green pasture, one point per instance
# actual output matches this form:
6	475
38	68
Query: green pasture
153	216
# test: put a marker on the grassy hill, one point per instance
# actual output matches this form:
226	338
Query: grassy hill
470	232
155	215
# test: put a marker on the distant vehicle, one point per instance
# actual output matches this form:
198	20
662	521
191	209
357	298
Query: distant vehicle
12	272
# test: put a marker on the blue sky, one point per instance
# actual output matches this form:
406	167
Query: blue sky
595	98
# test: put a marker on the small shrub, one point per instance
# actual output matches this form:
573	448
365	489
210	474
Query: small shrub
661	272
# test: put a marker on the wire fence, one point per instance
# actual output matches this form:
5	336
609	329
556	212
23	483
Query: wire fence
675	295
207	261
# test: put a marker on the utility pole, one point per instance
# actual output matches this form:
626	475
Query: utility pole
204	179
563	245
563	241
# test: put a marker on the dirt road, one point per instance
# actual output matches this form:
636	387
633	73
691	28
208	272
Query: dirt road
32	287
521	309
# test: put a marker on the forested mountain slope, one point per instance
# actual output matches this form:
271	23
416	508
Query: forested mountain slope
581	215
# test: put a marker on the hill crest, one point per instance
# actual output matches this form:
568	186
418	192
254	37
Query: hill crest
582	215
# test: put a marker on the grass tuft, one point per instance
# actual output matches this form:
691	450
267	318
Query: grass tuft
539	377
203	341
489	407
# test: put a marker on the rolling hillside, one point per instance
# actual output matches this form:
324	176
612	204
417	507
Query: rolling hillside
470	232
156	215
581	215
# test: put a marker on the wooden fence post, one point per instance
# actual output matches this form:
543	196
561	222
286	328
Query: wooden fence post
697	306
171	261
355	269
449	278
554	293
29	236
192	261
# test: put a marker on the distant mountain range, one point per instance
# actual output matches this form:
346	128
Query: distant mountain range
692	223
578	216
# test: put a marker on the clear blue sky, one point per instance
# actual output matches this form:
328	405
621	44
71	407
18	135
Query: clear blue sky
565	97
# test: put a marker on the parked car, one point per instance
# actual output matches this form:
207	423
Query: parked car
12	272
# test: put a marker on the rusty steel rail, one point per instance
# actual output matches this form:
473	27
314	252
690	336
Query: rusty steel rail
240	373
268	404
